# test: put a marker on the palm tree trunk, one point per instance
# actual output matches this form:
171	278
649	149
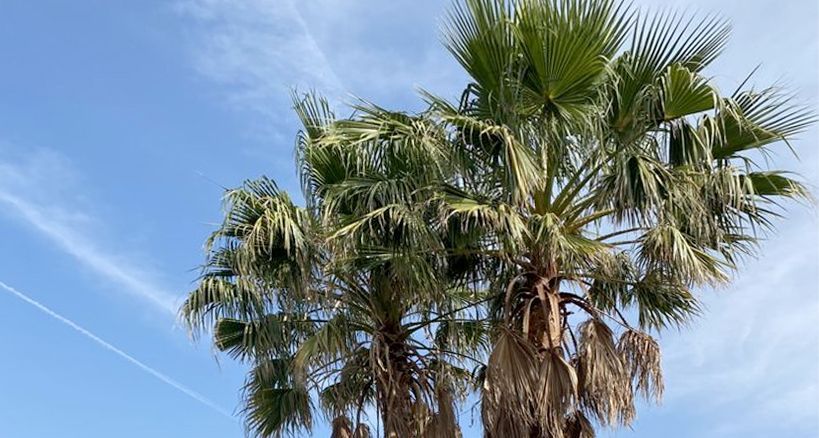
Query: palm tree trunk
551	331
394	384
553	321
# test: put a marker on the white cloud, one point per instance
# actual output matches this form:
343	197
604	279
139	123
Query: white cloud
386	50
258	50
39	189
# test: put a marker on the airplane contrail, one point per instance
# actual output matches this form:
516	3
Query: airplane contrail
164	378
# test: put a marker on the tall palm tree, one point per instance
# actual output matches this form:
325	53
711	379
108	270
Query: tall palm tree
610	178
330	302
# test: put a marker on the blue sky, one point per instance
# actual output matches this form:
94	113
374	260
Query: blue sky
119	122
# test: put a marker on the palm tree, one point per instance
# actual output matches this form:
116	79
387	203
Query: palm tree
330	303
610	178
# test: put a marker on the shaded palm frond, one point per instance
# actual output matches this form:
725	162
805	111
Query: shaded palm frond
662	302
275	409
668	250
578	426
633	186
271	334
341	428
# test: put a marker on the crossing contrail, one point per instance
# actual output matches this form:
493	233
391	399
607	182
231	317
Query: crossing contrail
173	383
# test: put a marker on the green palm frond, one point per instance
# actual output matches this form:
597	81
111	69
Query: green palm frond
684	92
666	249
566	46
480	35
662	302
265	219
634	184
462	335
376	143
335	339
501	219
273	410
515	162
315	114
354	386
751	120
216	298
551	241
667	38
658	42
772	183
272	334
686	146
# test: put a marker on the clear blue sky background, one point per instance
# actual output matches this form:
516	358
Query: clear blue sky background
119	121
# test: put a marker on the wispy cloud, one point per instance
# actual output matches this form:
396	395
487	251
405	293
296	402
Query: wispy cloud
110	347
385	51
30	189
258	50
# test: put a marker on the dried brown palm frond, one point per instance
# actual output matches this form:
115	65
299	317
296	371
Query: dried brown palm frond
444	423
642	358
557	393
605	389
510	387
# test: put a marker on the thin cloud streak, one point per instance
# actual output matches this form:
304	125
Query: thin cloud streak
157	374
258	50
40	189
88	253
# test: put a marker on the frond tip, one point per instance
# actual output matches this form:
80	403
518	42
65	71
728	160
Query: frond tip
641	354
605	390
